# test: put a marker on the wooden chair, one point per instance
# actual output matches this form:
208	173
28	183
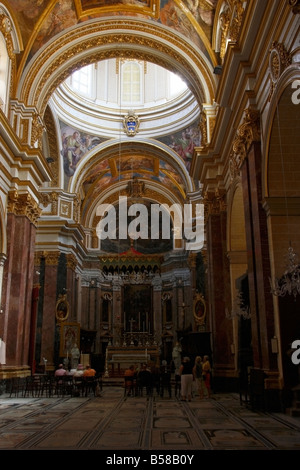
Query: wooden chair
17	386
89	384
78	386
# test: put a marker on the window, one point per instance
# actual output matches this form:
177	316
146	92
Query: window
131	91
81	80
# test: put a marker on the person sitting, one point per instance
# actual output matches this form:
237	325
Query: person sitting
79	371
60	371
89	372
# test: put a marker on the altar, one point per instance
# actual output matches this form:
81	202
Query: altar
120	358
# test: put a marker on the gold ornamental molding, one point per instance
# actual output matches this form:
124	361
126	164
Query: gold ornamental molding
146	7
279	60
72	261
6	30
214	203
101	39
230	21
23	204
295	4
51	257
50	198
248	132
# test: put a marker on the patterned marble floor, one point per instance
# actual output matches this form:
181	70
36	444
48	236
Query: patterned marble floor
113	422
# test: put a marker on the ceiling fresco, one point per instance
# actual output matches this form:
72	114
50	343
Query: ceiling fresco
41	20
76	146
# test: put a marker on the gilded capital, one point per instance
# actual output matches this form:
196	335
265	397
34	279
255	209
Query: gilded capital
23	204
51	257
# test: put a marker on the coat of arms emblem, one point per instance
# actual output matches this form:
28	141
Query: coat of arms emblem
131	123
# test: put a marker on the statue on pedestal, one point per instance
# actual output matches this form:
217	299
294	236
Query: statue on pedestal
75	355
176	356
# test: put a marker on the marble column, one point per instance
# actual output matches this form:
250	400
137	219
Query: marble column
259	271
22	215
48	333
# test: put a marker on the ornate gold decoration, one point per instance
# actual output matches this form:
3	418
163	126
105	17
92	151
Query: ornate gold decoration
214	203
37	129
279	60
71	261
224	20
6	29
65	209
62	308
23	204
52	198
155	50
135	188
199	310
149	8
53	145
295	4
51	257
236	21
131	123
203	129
230	21
248	132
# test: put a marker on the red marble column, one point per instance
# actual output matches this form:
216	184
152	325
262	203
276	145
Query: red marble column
261	303
49	307
17	287
218	291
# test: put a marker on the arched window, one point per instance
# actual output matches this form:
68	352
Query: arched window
131	83
4	73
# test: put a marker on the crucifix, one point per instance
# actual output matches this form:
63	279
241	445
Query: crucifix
131	322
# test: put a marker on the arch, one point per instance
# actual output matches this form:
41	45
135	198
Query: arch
284	85
111	149
101	39
237	235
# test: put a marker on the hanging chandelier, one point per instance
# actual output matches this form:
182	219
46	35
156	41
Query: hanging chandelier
289	283
239	309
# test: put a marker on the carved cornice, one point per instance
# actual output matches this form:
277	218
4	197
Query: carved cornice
23	204
279	60
248	132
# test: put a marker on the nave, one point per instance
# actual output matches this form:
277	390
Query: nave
114	422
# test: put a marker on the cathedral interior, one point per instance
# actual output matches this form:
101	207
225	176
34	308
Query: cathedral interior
149	187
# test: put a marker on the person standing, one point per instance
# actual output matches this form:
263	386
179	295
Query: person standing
198	371
206	368
186	373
